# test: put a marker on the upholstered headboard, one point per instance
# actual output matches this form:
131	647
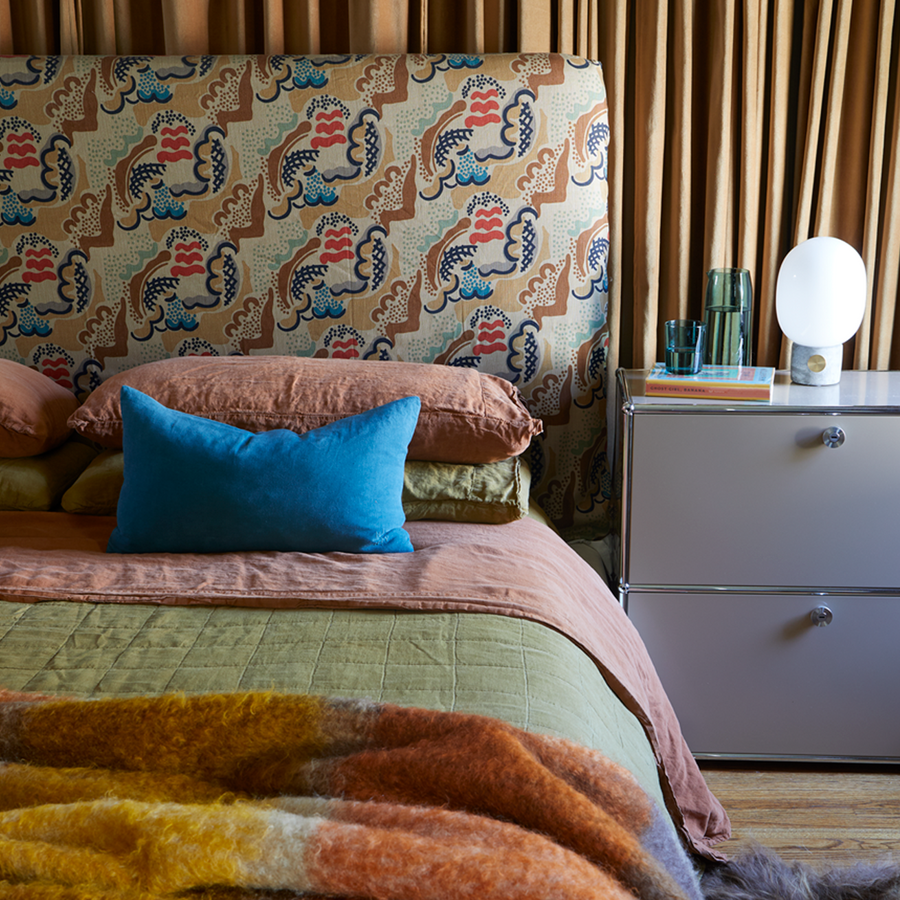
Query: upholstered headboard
445	209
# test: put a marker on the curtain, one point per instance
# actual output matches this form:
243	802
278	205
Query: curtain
740	127
753	126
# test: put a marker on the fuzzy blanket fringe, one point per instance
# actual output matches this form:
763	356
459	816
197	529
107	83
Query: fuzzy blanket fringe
275	795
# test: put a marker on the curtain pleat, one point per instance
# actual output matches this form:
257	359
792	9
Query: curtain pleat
187	26
6	29
776	178
816	96
475	30
31	23
720	134
136	25
376	24
611	46
750	138
535	25
122	28
826	214
648	154
274	15
885	353
679	169
738	129
71	22
875	165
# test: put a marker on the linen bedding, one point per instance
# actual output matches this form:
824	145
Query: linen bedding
520	570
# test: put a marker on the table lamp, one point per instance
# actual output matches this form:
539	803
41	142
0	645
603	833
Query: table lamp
820	298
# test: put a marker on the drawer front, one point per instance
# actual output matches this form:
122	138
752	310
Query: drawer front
751	675
739	499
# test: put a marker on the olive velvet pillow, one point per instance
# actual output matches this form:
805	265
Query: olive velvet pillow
36	483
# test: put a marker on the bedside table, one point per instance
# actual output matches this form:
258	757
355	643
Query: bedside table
760	561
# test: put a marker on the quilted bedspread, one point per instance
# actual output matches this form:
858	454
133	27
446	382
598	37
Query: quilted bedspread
237	795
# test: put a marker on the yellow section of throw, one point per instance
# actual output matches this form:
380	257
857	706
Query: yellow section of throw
202	736
159	848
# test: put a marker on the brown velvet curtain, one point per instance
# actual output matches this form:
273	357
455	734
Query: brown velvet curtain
740	127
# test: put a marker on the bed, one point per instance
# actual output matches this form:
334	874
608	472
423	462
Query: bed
302	384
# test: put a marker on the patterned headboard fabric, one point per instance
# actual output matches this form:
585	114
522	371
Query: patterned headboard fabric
441	209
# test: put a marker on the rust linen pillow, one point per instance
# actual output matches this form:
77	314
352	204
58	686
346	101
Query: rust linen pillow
34	411
466	416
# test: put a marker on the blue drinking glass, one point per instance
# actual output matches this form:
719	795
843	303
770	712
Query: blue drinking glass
685	339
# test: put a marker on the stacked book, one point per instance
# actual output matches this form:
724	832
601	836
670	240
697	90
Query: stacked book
713	383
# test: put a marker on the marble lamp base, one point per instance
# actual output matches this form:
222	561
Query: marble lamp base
816	365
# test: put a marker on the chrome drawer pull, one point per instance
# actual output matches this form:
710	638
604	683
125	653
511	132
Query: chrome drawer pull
821	616
833	437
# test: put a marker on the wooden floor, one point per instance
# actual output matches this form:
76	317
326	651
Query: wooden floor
821	816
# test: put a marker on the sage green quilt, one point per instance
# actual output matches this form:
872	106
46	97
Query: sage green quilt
514	669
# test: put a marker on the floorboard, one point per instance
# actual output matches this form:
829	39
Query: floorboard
820	816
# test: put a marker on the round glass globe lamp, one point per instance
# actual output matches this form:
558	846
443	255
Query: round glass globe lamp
820	298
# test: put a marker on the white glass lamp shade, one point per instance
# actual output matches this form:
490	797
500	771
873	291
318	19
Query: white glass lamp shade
820	298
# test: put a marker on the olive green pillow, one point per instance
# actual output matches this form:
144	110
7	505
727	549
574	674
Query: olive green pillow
96	492
489	492
36	483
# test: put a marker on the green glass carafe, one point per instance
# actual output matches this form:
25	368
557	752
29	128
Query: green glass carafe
728	314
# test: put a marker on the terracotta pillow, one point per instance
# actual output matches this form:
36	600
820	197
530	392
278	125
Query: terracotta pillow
465	417
34	411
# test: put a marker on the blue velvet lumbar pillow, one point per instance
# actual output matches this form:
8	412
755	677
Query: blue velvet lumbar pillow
194	485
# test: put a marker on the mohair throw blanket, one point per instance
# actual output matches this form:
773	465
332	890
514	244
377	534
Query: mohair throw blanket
275	795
